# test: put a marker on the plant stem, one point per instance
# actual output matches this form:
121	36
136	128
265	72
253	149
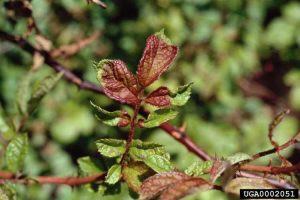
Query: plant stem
131	131
289	143
72	181
271	169
184	139
280	183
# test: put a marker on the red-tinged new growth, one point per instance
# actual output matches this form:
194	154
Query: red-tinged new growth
157	57
154	185
120	84
183	188
171	186
160	97
117	81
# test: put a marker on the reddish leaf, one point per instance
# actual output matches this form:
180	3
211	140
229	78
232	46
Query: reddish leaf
183	188
171	186
154	185
157	57
118	82
160	97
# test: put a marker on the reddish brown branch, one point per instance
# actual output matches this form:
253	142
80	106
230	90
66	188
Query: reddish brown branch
183	138
276	121
68	75
271	169
71	49
72	181
72	78
290	142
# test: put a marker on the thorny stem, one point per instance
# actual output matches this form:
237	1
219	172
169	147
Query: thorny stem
271	169
132	127
184	139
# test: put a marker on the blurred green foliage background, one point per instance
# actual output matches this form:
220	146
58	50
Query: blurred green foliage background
242	55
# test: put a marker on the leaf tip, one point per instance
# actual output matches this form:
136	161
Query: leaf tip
99	68
161	35
93	104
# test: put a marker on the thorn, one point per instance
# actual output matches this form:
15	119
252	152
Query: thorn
182	128
270	163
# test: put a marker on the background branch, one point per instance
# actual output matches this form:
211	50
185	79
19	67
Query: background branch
290	142
71	181
271	169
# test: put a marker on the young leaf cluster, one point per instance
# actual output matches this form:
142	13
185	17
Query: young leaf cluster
122	85
142	158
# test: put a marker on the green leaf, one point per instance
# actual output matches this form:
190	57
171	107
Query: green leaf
15	152
101	189
159	163
3	125
107	189
104	189
111	147
182	95
238	158
132	174
199	168
158	117
139	150
236	184
23	93
108	118
144	145
44	88
116	118
113	174
89	166
7	192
